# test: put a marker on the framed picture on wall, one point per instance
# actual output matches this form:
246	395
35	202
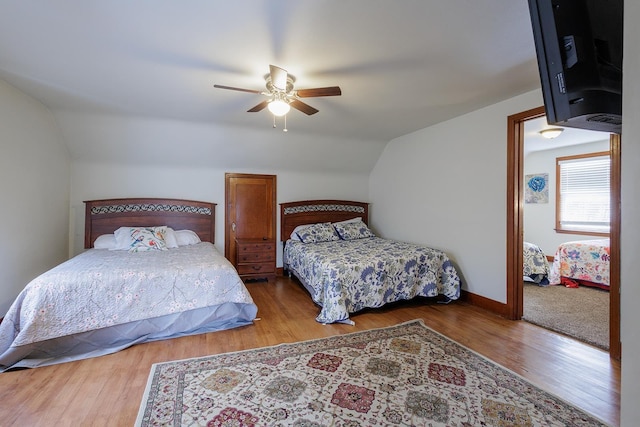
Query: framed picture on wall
536	188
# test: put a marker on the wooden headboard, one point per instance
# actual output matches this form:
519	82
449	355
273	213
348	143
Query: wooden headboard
106	216
294	214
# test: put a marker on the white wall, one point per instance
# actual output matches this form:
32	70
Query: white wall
34	187
142	141
142	164
630	236
145	157
446	186
540	218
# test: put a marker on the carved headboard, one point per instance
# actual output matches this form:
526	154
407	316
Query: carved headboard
106	216
294	214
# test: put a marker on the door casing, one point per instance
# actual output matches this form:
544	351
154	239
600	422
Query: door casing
515	226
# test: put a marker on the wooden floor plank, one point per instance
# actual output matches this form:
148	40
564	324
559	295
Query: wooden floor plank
108	390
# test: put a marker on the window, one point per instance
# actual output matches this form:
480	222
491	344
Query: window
583	193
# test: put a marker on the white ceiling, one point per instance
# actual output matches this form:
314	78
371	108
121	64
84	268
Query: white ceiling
402	64
533	141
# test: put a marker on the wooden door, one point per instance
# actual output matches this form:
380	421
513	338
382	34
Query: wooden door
250	210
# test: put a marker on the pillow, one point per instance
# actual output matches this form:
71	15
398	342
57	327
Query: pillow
139	239
170	238
322	232
105	241
353	230
186	237
294	233
347	221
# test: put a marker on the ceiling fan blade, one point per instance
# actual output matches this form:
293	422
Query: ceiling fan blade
278	77
237	88
305	108
319	91
258	107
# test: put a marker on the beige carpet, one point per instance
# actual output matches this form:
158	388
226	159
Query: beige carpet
582	313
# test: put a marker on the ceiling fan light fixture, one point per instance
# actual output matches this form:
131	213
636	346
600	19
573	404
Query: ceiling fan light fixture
551	133
278	107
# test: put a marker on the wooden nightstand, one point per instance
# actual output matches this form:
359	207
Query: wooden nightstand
256	258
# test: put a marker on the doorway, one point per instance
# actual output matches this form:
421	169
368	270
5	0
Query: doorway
515	224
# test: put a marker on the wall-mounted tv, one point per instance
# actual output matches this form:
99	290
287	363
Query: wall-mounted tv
579	50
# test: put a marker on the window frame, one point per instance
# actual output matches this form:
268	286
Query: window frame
559	228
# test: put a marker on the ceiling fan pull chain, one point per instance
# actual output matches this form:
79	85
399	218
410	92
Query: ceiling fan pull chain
285	124
274	122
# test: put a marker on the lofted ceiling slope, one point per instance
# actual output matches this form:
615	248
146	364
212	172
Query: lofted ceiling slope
402	65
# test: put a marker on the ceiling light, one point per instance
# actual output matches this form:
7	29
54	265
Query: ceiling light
278	107
551	132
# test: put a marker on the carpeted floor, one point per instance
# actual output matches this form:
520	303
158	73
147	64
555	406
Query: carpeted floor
582	313
406	374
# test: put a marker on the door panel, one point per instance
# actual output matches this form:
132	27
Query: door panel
250	210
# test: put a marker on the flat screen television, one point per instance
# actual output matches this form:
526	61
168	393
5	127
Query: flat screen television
579	50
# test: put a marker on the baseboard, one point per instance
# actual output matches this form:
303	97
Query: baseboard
485	303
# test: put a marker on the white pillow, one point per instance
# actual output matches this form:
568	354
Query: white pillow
170	238
123	239
186	237
105	241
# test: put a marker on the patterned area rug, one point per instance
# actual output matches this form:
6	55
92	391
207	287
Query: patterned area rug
402	375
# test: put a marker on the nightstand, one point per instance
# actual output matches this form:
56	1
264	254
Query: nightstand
256	258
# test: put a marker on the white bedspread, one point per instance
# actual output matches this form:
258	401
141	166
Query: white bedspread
101	288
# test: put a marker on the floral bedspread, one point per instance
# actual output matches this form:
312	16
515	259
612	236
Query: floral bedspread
345	276
100	288
584	260
535	265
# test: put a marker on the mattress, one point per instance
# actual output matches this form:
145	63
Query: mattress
101	301
345	276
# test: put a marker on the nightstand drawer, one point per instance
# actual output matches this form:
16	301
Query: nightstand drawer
255	268
255	247
252	257
255	258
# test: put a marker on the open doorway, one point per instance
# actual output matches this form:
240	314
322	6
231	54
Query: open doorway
515	224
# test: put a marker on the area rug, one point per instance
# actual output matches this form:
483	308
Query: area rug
401	375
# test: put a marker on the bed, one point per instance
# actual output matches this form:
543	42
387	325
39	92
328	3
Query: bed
356	269
104	300
535	265
582	263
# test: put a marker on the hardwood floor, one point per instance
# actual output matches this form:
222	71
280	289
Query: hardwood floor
107	390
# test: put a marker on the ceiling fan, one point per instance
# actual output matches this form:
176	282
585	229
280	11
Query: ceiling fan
281	94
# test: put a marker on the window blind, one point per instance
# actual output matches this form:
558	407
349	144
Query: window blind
585	193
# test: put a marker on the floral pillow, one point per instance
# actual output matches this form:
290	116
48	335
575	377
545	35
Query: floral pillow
294	233
353	230
322	232
139	239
